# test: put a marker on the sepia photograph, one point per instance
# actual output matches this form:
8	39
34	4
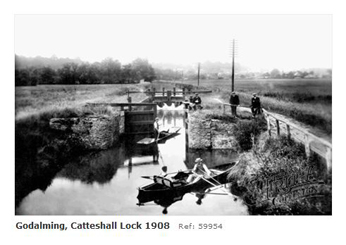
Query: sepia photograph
173	115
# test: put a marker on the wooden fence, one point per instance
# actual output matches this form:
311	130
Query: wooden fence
166	95
279	126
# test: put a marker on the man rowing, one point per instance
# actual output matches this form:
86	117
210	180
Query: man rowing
198	171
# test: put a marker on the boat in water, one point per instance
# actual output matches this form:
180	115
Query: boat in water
163	136
172	187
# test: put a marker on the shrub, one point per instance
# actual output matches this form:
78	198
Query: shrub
247	132
285	160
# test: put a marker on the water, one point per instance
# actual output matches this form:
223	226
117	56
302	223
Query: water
107	183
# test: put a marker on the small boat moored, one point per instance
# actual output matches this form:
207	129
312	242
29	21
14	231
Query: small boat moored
163	135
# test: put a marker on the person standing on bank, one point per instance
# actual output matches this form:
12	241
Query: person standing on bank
156	128
255	105
234	101
197	101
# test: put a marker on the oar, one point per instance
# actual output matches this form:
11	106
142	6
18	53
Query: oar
212	183
151	177
208	193
148	177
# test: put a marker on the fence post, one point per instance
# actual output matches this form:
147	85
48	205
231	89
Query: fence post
329	157
169	95
224	109
163	91
174	91
278	127
269	126
155	111
288	131
307	145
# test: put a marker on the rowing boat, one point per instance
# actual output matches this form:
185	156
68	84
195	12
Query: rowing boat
163	135
174	185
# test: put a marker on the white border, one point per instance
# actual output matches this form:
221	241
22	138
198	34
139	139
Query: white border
254	230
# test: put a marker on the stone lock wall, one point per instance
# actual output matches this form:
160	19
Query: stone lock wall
207	133
92	131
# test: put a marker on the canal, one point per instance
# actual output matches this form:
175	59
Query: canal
106	183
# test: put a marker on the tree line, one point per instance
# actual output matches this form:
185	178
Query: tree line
109	71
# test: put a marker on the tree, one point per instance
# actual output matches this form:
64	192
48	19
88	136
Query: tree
275	73
111	71
143	70
48	76
127	74
68	74
22	77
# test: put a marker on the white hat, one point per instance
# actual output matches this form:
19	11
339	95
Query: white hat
198	160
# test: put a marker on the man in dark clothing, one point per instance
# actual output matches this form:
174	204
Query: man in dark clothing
255	105
197	102
234	101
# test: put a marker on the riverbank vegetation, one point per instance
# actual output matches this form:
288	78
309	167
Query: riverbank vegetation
276	177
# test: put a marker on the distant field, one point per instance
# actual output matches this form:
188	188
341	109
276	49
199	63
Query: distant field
34	100
314	86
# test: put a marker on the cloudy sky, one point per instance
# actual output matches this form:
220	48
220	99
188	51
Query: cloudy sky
285	42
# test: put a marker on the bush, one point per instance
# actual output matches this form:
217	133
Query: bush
247	132
280	162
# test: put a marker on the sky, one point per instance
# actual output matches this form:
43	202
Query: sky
263	42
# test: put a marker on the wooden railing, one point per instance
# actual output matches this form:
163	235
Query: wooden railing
165	92
278	126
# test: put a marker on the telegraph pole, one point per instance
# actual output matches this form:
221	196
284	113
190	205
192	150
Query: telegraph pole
233	65
199	67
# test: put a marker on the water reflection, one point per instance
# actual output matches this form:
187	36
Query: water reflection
106	182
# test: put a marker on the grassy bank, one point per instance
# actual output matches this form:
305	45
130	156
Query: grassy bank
276	177
306	100
31	101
